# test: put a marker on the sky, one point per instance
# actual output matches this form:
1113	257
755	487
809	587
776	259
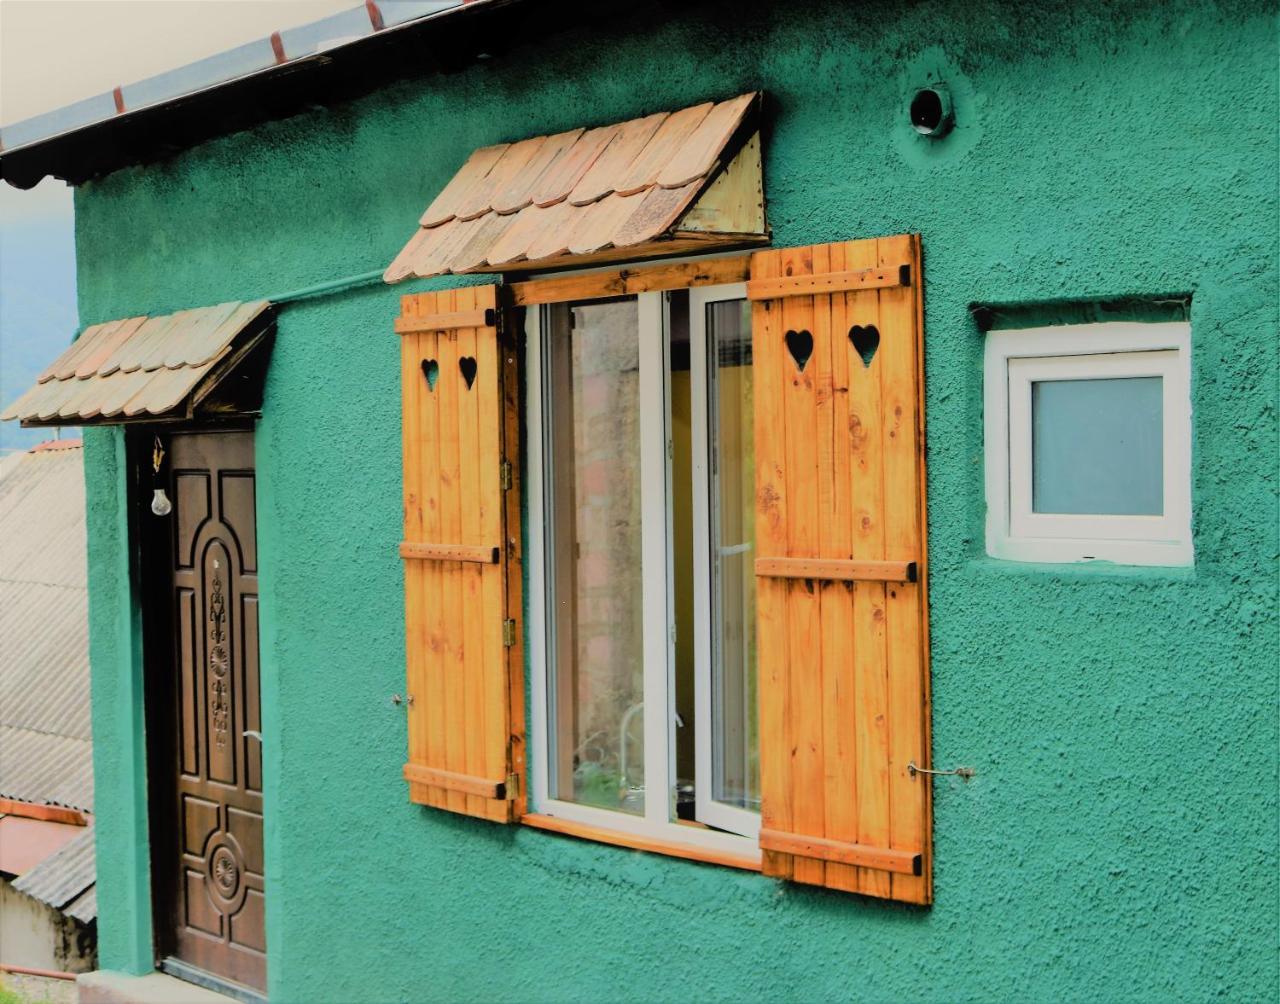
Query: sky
54	52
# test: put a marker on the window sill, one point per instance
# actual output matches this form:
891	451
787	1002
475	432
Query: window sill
653	845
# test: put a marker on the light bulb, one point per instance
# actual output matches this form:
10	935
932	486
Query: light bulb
160	504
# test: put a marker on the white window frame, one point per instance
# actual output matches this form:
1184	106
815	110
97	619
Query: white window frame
706	618
1014	360
657	822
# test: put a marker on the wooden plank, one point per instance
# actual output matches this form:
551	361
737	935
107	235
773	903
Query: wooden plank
842	570
452	637
773	690
734	201
595	225
450	552
903	446
840	819
657	212
513	563
471	713
922	514
411	428
559	180
555	223
478	200
602	177
877	277
655	845
445	205
703	147
832	636
869	724
494	693
518	194
480	317
434	669
679	243
666	143
626	281
862	855
49	813
467	785
800	394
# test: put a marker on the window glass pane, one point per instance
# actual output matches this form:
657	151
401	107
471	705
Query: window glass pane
597	668
1098	446
735	749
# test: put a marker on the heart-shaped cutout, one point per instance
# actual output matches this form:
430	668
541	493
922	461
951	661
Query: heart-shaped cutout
865	341
467	365
800	345
431	370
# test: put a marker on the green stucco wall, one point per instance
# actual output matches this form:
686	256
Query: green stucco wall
1120	839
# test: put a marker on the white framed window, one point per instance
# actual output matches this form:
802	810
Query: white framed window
641	600
1088	443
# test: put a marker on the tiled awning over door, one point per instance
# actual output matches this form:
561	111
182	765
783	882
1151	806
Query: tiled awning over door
144	367
674	182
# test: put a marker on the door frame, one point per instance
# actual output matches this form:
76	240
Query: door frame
152	547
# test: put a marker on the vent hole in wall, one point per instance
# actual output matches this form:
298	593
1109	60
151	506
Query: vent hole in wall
931	112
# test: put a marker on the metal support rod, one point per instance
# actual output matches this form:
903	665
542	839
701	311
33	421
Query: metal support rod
332	286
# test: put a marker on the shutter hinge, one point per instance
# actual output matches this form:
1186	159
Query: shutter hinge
513	786
504	475
508	633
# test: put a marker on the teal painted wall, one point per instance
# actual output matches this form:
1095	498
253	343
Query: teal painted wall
1120	838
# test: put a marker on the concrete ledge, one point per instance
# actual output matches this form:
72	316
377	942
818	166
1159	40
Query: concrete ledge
106	987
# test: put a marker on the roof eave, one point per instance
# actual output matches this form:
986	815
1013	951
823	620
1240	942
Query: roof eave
459	36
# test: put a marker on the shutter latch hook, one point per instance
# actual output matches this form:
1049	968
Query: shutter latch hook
961	772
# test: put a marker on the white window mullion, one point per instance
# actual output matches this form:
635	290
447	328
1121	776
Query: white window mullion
535	367
655	549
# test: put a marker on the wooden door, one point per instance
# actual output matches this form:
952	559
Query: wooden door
209	876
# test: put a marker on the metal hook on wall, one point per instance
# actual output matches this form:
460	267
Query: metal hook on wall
961	772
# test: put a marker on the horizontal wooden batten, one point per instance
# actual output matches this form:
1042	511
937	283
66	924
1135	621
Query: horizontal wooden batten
628	281
477	553
844	571
654	845
452	781
48	813
882	858
486	318
828	282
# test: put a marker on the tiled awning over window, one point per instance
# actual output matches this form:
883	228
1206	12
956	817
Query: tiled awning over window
144	367
674	182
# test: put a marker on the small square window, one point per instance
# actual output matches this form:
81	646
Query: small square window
1088	444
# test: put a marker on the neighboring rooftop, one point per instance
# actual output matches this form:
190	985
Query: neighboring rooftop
65	880
46	751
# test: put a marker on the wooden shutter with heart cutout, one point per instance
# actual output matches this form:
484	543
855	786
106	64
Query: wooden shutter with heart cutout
841	567
461	558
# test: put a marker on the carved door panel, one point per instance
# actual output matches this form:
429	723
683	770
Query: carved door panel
210	881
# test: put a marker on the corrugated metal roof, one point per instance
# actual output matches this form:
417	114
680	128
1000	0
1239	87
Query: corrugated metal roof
84	907
64	876
576	193
45	741
25	842
136	366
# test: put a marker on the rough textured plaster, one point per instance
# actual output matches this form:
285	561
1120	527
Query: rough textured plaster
1120	838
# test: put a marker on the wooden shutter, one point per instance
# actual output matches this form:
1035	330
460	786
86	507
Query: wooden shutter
461	528
843	630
